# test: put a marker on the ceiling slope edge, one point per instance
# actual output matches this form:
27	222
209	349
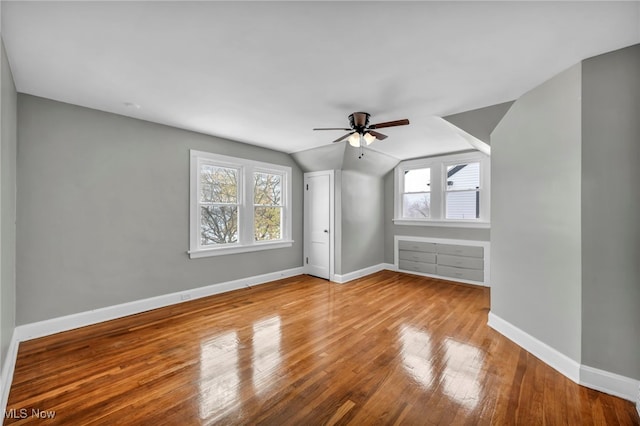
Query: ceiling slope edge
476	125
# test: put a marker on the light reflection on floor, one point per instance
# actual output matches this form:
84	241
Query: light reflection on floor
219	380
463	364
459	376
416	355
220	366
266	353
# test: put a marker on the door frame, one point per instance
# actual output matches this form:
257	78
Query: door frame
332	227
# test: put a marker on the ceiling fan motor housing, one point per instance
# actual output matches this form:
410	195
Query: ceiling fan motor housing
359	121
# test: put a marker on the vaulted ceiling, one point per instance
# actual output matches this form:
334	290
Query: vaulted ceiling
266	73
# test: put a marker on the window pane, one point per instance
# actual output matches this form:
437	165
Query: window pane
463	176
417	180
463	205
218	225
267	189
267	223
416	206
218	184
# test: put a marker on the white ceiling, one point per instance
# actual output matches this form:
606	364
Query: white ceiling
266	73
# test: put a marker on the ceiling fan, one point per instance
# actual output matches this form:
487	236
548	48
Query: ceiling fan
361	132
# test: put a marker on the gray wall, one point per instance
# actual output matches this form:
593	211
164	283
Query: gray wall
359	215
103	203
480	122
362	221
8	149
610	206
390	230
535	214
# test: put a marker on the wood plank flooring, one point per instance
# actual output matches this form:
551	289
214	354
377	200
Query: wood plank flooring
389	348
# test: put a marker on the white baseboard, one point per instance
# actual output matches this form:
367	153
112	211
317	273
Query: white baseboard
546	353
69	322
611	383
341	279
8	366
600	380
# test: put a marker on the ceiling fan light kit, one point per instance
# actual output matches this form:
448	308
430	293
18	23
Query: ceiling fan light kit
361	133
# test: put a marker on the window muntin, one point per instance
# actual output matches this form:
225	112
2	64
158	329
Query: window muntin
462	191
238	205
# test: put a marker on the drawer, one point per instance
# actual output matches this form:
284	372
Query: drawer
468	251
465	274
460	261
417	246
417	256
408	265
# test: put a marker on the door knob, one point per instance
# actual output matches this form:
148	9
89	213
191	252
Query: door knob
326	231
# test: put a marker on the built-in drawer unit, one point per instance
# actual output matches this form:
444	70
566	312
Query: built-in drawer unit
417	246
417	256
457	250
461	260
408	265
465	274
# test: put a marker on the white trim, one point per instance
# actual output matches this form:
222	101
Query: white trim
350	276
442	277
555	359
82	319
484	244
593	378
218	251
441	223
8	366
611	383
332	219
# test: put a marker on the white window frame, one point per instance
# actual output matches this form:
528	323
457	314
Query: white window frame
246	239
438	166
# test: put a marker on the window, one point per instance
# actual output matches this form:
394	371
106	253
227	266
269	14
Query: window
267	209
463	191
443	191
238	205
416	194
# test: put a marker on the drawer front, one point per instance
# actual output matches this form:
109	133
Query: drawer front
461	262
468	251
417	256
408	265
417	246
465	274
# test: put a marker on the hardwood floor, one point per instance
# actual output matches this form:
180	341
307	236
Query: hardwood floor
390	348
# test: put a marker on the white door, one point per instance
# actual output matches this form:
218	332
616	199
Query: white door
318	207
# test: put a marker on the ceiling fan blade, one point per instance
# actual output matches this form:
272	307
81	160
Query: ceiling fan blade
378	136
394	123
343	137
333	128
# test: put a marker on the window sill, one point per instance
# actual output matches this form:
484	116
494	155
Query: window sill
443	223
221	251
